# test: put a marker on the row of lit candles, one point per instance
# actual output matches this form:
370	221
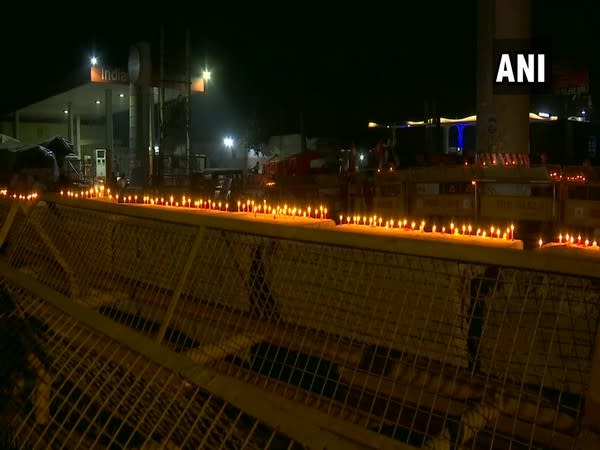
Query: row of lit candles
465	230
249	206
557	176
572	240
15	196
91	193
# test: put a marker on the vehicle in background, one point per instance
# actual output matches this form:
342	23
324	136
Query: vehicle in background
220	184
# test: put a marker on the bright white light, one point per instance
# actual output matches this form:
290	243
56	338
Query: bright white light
121	95
97	102
206	75
583	112
228	142
362	157
156	148
66	111
544	114
93	60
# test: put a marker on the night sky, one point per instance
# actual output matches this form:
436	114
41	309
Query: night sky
341	69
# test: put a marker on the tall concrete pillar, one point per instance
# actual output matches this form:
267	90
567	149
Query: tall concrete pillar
78	136
446	140
139	112
70	128
502	119
108	131
17	126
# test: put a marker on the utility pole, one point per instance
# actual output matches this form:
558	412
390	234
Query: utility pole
161	106
188	102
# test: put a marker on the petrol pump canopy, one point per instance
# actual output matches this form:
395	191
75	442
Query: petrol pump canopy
88	99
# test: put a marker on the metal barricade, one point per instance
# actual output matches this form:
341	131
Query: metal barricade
194	330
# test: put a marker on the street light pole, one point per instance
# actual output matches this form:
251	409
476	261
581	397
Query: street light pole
188	102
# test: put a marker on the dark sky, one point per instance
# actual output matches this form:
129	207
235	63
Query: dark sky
341	68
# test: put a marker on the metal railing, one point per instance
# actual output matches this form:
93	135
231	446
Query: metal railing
154	319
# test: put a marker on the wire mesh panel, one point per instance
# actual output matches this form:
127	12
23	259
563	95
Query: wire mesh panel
82	390
428	351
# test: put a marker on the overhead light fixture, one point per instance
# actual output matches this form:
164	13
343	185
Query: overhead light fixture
97	102
66	111
93	60
228	141
121	95
544	115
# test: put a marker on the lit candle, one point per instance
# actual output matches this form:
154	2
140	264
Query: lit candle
325	212
433	229
412	225
451	227
380	220
579	239
483	234
594	244
239	204
422	227
348	219
470	229
560	238
464	228
443	230
341	220
478	231
404	223
364	220
587	242
540	242
392	223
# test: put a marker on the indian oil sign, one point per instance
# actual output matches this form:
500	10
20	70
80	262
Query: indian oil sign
99	74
